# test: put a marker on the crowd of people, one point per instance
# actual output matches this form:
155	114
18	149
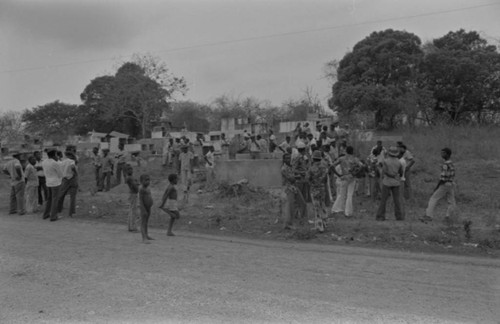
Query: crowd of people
319	169
43	183
322	170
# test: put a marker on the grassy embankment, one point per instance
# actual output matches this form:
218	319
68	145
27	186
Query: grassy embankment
476	154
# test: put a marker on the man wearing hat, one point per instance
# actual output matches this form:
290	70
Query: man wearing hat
15	171
392	171
317	178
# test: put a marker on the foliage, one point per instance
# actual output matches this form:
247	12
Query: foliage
190	114
463	72
11	127
391	75
55	120
379	75
133	99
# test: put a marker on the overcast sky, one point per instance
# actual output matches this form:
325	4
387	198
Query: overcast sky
271	50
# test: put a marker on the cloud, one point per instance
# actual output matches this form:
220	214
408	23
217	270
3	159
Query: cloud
74	24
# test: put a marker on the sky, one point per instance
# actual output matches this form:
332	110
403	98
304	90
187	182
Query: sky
273	50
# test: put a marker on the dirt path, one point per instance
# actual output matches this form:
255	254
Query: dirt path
74	271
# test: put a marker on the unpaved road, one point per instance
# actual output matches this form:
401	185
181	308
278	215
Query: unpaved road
73	271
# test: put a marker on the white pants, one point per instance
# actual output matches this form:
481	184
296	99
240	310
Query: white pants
345	191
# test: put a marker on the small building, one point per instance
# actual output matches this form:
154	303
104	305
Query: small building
96	137
237	126
312	119
116	138
152	145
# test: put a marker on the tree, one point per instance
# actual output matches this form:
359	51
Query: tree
97	101
378	75
134	98
192	115
55	120
463	71
11	127
229	107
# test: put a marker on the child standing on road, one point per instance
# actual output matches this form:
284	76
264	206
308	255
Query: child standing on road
169	203
145	203
133	215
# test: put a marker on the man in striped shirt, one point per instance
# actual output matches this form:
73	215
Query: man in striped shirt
444	188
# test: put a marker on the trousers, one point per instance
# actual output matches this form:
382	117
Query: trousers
51	204
345	192
446	190
31	198
395	191
17	198
68	186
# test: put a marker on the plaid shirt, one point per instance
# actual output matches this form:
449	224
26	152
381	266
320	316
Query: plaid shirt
447	172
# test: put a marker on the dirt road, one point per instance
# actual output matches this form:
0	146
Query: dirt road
72	271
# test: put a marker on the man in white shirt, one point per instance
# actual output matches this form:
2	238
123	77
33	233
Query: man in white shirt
69	183
285	144
53	177
186	164
409	160
15	171
272	141
121	160
210	165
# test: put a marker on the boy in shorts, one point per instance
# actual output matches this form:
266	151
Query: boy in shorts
169	202
145	203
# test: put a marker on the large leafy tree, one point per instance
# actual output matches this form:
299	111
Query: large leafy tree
380	75
55	120
97	101
133	99
463	71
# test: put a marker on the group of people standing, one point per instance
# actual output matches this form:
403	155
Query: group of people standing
107	166
314	168
40	182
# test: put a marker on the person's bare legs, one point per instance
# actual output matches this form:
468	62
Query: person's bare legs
173	216
144	228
